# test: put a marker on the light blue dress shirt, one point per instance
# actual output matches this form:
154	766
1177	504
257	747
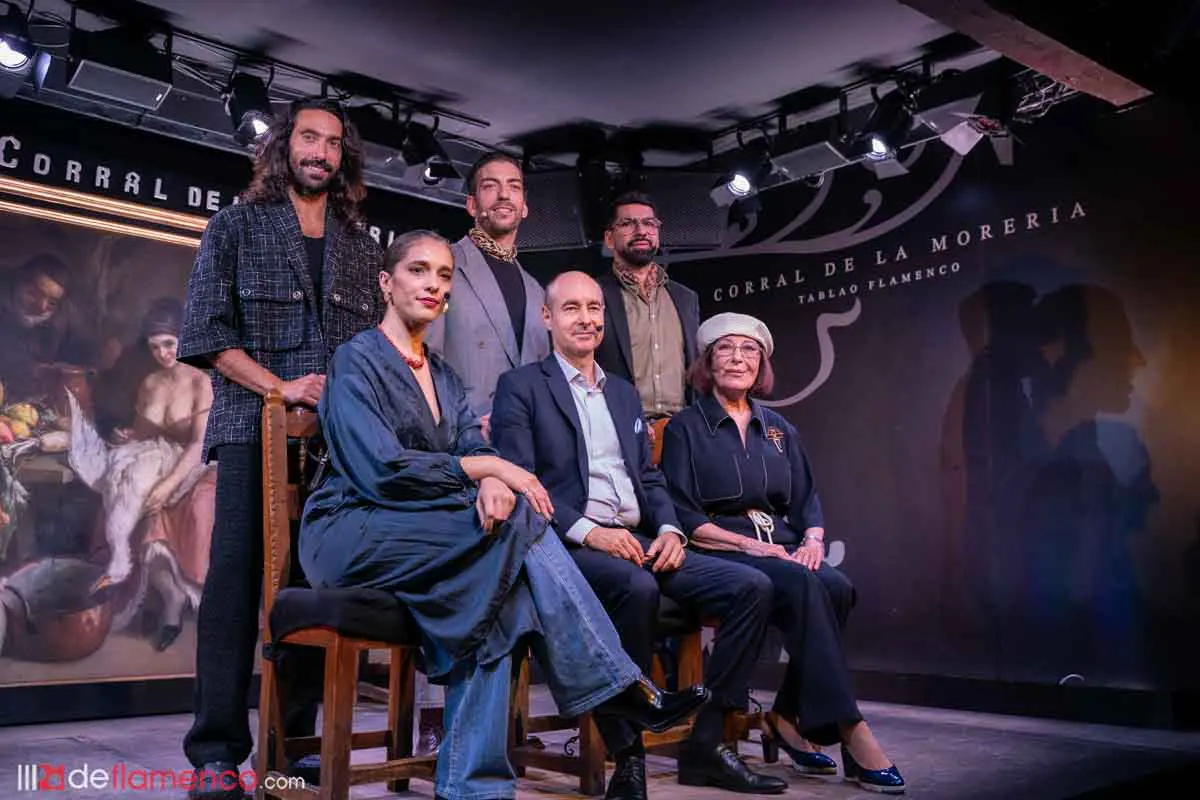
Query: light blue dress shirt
612	501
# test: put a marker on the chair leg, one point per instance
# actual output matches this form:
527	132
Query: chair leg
341	679
591	757
401	699
519	707
272	743
267	740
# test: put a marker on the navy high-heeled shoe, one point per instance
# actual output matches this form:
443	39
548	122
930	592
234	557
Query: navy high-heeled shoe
886	781
806	762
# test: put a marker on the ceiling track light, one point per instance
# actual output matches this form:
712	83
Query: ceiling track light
19	54
889	124
750	173
249	106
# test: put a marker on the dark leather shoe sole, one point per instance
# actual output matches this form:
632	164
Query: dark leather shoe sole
719	782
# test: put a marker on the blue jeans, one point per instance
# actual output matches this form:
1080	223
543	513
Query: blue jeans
580	652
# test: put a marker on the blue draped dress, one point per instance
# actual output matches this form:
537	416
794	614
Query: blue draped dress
396	512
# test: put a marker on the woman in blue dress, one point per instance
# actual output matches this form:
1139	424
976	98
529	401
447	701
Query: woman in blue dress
414	502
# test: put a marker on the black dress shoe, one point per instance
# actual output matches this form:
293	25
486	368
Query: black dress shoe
645	705
724	769
629	779
217	780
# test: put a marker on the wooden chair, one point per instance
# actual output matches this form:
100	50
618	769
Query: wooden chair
738	725
589	759
344	623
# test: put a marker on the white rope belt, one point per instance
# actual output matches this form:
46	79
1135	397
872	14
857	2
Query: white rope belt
763	523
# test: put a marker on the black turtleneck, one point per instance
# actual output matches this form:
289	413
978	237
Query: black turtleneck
508	276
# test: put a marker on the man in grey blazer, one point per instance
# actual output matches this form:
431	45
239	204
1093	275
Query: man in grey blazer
493	323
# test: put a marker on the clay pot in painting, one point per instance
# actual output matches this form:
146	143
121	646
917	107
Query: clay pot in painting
52	615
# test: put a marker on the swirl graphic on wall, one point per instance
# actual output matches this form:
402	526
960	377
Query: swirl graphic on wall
825	323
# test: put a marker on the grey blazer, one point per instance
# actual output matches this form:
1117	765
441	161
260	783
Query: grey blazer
475	337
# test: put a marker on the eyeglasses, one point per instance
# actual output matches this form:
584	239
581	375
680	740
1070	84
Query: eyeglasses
625	225
748	350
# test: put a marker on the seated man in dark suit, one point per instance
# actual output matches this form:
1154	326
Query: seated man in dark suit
612	507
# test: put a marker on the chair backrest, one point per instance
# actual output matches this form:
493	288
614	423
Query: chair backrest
283	488
658	426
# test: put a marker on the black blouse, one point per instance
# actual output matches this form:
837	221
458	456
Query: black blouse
714	478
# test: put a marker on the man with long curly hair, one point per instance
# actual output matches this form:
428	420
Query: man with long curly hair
282	278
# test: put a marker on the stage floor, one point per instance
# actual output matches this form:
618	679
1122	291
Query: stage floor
943	754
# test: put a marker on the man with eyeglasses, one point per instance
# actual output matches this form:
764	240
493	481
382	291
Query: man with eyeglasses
650	320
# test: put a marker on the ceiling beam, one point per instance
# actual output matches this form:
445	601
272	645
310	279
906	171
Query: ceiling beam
1009	36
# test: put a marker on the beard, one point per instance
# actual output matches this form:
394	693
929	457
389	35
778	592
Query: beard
637	258
304	186
488	223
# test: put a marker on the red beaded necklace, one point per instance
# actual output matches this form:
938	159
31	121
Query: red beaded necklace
413	363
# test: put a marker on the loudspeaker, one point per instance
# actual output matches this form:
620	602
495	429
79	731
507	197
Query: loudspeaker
555	218
690	218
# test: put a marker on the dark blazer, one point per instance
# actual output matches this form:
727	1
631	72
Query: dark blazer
615	354
251	289
535	425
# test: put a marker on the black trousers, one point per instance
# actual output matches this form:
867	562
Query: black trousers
737	596
810	609
227	625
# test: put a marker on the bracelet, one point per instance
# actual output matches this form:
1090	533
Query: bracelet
808	539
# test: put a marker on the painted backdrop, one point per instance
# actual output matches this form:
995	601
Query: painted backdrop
993	370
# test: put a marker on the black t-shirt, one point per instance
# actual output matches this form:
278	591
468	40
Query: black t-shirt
315	249
508	275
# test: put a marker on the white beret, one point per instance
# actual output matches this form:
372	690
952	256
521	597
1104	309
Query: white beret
728	323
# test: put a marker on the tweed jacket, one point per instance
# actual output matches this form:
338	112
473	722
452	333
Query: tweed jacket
251	289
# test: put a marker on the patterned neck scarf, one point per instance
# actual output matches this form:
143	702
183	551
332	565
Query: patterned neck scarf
488	245
648	289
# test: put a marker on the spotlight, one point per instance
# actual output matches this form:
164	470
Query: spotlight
249	108
425	160
880	149
751	172
14	54
730	188
17	53
740	184
438	169
889	124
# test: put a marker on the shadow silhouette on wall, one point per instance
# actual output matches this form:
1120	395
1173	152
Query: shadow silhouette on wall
1047	489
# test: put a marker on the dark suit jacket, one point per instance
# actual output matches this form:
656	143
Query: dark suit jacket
535	425
251	289
615	354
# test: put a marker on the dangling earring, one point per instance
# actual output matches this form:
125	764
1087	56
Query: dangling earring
445	305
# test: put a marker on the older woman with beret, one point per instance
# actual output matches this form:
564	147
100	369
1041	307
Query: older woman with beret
744	490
